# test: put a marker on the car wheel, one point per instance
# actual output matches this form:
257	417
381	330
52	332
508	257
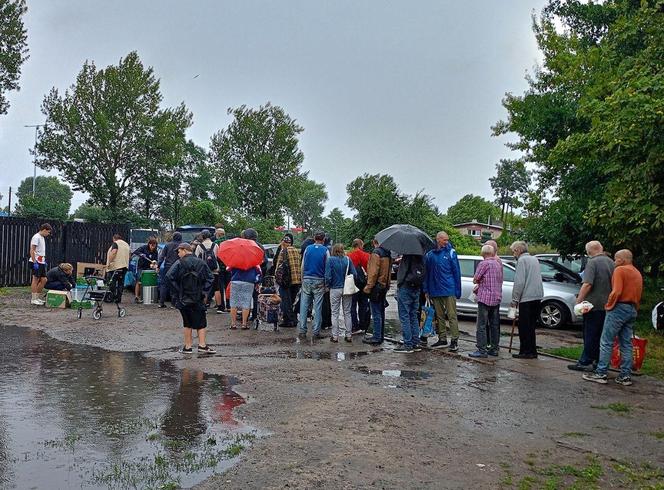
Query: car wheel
552	315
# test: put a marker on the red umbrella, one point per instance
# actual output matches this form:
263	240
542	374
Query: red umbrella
239	253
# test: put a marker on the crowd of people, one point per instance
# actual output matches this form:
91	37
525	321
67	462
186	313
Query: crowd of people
347	292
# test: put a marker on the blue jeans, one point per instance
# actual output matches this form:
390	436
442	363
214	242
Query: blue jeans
408	301
593	322
378	314
488	325
312	289
619	322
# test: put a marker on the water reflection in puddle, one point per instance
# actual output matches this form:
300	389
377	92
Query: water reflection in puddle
394	373
317	355
77	416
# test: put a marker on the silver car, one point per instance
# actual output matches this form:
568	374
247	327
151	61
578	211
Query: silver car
557	305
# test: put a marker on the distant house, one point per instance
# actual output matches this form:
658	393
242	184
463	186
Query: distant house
480	231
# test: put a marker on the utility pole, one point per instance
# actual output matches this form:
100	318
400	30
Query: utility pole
34	170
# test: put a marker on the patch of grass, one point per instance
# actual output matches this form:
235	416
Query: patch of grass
67	443
575	434
527	483
234	449
572	353
640	475
657	434
618	407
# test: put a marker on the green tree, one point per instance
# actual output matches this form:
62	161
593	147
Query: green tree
339	227
591	121
98	214
13	47
306	202
511	181
257	158
200	213
108	137
52	199
378	203
470	208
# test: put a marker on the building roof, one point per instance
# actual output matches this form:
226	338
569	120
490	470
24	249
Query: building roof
475	223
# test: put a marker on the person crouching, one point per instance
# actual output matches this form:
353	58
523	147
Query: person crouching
60	278
191	280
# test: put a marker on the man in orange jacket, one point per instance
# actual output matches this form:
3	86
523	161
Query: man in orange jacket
621	308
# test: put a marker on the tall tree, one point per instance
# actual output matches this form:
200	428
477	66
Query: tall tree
13	47
52	199
338	226
107	135
511	180
378	203
591	120
470	208
258	158
306	202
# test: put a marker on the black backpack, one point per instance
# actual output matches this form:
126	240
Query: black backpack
209	258
415	275
190	282
360	277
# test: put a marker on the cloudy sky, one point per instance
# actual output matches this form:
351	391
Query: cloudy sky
408	88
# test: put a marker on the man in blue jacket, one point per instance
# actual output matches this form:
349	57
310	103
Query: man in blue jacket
313	285
442	287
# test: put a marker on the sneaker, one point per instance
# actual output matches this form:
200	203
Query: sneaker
596	377
624	380
402	349
220	311
417	348
185	350
477	354
586	368
424	340
138	300
439	345
371	341
493	353
206	350
37	302
334	339
163	306
454	346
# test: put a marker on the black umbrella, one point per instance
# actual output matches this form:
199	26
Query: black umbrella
405	239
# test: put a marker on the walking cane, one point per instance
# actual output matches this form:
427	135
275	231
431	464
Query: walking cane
512	334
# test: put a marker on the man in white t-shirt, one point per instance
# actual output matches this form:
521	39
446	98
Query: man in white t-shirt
37	262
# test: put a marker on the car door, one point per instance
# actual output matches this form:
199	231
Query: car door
468	266
508	285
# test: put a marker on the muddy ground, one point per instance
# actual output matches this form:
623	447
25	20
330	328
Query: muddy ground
348	416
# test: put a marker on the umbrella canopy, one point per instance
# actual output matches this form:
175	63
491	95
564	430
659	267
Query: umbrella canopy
405	239
240	253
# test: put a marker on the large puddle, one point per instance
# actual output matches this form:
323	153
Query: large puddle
81	417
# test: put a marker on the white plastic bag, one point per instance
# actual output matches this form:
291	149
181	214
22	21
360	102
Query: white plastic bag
582	308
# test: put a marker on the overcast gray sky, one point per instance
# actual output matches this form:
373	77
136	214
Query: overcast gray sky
408	88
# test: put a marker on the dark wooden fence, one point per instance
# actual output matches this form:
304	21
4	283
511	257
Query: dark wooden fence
69	242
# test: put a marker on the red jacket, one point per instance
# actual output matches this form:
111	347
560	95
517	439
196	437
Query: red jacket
359	258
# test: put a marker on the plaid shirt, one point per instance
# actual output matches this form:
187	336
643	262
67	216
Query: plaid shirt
489	276
295	263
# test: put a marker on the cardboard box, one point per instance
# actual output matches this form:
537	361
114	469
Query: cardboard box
58	299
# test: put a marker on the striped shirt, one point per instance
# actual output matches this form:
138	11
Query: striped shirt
489	276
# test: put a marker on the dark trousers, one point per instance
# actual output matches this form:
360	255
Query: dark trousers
327	311
223	279
359	311
528	315
115	284
57	286
164	290
288	296
593	324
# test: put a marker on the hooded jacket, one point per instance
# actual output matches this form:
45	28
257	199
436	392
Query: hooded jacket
169	254
443	273
379	269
